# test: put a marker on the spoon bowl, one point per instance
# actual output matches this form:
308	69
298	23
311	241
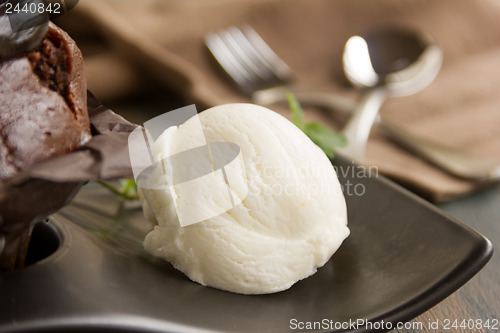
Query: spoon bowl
386	63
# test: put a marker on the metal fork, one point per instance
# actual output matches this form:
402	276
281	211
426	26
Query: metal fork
248	60
258	71
263	76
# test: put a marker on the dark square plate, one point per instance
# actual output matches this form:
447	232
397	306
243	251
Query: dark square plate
403	256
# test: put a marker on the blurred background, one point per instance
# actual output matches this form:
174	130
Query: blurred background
145	58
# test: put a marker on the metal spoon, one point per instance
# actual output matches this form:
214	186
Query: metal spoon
386	63
402	76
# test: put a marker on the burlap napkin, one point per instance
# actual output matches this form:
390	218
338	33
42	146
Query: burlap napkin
460	108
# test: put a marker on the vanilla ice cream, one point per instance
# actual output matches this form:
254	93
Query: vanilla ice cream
289	213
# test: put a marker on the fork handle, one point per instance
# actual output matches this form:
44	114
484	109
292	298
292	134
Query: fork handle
276	95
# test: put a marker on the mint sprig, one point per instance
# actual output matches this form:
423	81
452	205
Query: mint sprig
324	137
126	191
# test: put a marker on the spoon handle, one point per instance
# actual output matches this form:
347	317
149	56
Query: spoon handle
358	128
457	163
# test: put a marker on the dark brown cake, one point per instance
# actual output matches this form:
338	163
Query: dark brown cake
43	103
43	114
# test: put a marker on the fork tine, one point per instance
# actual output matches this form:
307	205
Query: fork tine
226	59
266	55
250	56
247	59
243	51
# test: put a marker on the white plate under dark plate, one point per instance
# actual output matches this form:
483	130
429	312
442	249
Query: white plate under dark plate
403	256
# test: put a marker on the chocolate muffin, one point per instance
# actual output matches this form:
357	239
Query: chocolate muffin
43	103
43	114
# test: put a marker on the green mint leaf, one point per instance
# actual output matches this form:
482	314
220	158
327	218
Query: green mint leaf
126	191
324	137
297	112
128	187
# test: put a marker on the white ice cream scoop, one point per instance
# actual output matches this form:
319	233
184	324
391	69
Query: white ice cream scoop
289	222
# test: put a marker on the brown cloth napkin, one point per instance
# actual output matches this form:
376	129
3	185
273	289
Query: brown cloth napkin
460	108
